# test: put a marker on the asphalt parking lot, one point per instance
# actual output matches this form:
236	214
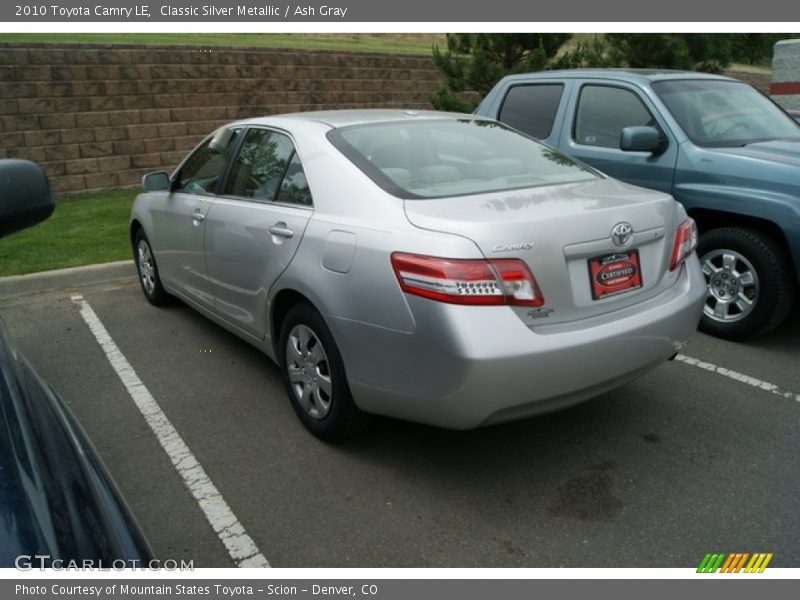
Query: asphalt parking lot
687	460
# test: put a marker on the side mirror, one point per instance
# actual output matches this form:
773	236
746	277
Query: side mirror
641	139
155	182
25	195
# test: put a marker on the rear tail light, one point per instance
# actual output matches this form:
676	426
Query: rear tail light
685	243
460	281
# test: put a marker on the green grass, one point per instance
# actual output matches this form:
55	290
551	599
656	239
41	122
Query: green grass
83	230
394	43
744	68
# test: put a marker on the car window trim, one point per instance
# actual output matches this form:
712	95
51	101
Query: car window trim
226	171
561	84
620	86
274	201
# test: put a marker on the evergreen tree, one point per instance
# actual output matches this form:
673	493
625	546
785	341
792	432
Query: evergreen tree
474	62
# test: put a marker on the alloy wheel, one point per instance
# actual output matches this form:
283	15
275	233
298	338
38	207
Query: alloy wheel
733	286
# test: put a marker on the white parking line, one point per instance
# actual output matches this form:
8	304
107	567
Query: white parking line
740	377
241	547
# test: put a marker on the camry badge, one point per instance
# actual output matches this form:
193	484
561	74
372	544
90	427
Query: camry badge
622	234
513	247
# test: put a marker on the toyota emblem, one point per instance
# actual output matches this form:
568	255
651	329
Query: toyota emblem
622	234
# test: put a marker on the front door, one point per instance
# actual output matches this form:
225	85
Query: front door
600	113
179	223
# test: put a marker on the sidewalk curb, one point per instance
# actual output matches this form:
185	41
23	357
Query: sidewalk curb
18	285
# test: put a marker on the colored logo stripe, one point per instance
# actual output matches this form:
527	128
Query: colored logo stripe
758	563
734	562
710	563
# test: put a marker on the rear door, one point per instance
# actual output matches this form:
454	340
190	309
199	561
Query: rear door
598	112
537	108
254	227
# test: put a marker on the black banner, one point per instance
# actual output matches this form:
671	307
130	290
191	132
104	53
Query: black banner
338	11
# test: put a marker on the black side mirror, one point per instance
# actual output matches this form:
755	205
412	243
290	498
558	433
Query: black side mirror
25	195
155	182
641	139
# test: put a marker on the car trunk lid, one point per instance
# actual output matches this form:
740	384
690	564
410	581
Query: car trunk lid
558	230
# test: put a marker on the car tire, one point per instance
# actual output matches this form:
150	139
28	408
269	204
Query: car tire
146	267
314	376
750	285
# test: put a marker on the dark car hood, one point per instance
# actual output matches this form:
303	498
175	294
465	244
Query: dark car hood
776	151
56	497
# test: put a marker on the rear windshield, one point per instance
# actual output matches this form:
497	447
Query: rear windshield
442	158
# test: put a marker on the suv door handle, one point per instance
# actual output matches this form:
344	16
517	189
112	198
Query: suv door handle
281	230
198	216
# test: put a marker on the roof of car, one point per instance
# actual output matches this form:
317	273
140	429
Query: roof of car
630	75
343	118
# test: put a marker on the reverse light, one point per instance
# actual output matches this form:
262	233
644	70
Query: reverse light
466	281
685	243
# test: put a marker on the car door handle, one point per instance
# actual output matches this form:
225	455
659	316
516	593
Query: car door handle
280	230
199	217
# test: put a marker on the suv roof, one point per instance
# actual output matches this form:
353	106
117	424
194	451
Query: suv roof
641	76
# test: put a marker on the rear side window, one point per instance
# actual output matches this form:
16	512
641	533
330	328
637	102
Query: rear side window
603	112
267	169
532	108
294	187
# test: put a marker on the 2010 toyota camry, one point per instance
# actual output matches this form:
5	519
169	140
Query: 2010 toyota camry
428	266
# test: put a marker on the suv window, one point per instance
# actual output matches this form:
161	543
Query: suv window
532	108
202	170
604	111
267	169
724	113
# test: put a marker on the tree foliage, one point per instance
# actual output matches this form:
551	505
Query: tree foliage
710	52
474	62
589	53
756	48
692	51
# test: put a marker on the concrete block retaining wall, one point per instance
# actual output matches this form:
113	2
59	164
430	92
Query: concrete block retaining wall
101	116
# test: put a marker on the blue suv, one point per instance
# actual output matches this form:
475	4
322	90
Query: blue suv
724	150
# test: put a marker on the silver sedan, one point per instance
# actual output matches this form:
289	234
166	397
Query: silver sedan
434	267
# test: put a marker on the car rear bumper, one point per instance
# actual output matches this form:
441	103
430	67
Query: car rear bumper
466	366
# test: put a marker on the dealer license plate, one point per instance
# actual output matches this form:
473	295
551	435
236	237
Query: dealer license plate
614	274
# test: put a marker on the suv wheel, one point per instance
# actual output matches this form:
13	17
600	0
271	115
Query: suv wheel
750	287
